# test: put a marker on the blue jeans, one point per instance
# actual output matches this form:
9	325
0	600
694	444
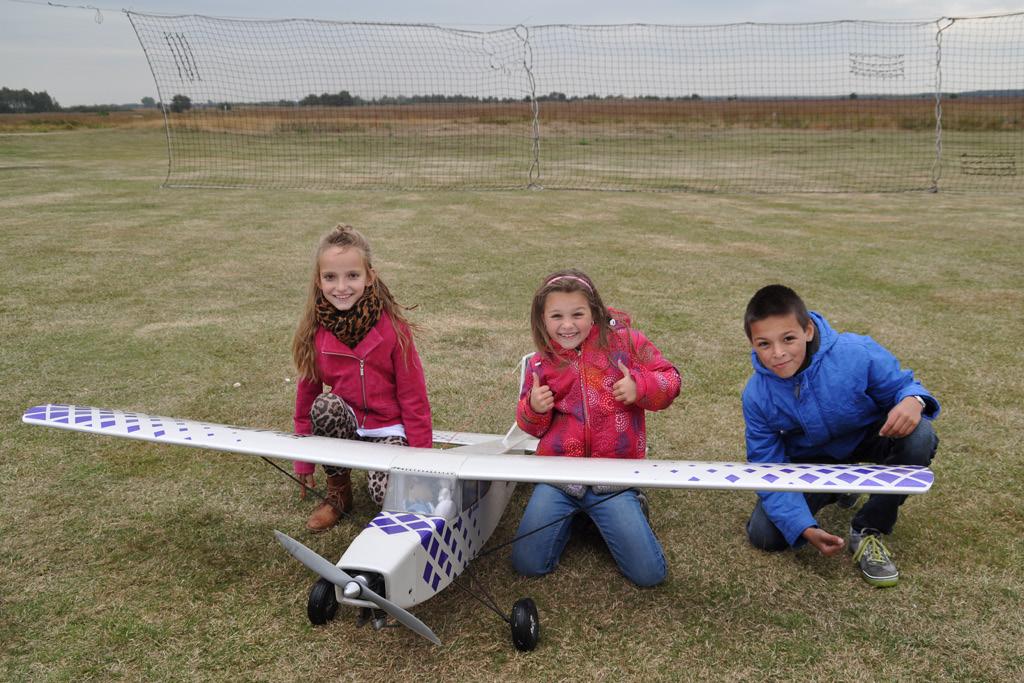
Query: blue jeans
880	510
620	520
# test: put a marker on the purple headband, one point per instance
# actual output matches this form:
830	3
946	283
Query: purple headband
571	277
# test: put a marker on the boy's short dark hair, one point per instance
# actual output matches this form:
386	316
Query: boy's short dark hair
774	300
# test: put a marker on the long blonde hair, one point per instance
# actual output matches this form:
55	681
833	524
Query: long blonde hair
304	341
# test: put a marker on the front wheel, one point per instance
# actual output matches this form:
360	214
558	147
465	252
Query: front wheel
525	625
323	602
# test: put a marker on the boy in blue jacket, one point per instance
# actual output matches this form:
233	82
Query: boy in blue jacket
818	395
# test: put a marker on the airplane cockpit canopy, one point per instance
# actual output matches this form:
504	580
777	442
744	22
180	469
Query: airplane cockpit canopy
424	493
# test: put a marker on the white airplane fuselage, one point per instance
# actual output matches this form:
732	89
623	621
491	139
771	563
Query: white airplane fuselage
418	555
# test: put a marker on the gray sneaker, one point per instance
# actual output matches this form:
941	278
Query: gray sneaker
873	557
645	506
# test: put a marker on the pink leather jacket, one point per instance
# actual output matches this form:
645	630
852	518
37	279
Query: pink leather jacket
381	384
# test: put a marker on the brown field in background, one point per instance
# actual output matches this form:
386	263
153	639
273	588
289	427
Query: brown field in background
962	114
60	120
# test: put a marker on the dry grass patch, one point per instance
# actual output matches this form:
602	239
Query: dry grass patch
126	560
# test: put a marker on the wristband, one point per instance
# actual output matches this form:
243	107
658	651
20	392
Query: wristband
922	402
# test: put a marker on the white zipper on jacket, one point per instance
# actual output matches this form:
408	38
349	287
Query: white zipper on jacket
362	385
362	380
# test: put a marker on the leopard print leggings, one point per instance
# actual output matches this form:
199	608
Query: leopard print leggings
332	417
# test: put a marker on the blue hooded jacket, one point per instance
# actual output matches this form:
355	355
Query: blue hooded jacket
822	412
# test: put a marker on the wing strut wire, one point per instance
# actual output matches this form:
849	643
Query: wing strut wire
490	602
309	488
563	517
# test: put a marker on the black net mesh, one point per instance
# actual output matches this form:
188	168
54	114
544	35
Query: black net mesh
835	106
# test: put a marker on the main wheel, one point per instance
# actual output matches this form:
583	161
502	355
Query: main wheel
323	602
525	625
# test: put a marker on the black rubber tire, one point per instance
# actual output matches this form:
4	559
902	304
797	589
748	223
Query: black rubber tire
525	625
323	602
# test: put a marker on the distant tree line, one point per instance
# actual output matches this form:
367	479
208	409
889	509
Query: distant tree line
343	98
180	103
347	99
26	102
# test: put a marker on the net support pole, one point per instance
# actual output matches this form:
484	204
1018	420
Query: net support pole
160	96
937	164
533	180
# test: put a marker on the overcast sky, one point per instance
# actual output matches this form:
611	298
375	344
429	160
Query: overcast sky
65	52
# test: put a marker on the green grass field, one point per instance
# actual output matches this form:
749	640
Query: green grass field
613	156
128	561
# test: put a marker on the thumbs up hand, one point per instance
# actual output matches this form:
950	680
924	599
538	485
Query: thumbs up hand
624	390
541	397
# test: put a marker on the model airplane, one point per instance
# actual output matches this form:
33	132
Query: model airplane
441	506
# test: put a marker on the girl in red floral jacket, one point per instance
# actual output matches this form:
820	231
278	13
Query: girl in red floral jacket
353	337
585	394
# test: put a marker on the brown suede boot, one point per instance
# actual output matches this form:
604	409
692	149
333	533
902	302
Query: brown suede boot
339	501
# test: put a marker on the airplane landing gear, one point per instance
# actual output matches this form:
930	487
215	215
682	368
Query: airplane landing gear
322	604
525	625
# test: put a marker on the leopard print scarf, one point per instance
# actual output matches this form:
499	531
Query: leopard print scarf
351	326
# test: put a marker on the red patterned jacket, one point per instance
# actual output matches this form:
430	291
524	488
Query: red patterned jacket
586	420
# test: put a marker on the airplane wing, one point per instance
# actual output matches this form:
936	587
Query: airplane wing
483	457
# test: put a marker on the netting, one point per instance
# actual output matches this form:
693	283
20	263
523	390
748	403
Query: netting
836	106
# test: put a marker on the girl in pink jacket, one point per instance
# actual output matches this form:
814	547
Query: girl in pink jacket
585	394
354	338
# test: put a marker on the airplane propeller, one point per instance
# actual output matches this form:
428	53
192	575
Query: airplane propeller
351	587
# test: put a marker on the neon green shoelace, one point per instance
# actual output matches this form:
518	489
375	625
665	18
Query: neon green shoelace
874	548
